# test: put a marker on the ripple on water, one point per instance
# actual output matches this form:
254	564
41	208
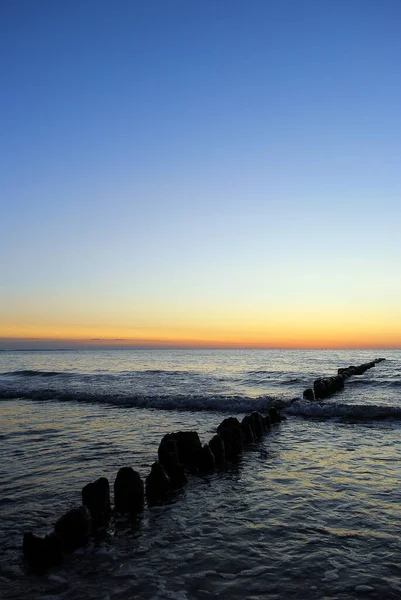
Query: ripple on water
299	516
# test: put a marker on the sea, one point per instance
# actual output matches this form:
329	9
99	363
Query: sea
312	510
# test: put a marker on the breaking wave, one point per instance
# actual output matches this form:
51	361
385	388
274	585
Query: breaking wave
214	402
357	412
221	403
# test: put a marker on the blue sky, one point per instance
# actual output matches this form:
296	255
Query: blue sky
174	168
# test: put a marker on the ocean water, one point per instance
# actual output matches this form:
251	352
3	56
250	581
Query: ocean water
313	510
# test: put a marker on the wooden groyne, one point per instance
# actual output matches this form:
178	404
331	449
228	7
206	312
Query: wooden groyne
323	387
180	454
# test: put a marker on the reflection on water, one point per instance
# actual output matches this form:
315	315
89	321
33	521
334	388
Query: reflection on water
313	511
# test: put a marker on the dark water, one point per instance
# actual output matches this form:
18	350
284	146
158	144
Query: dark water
312	511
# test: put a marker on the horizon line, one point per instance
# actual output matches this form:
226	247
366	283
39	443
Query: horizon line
60	344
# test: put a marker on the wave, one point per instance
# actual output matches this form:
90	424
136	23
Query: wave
374	383
215	403
352	412
294	380
181	402
41	373
37	373
270	380
30	373
158	372
265	372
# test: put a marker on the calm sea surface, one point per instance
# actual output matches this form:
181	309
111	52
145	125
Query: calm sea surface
311	511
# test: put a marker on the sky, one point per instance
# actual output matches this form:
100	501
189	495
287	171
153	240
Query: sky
200	173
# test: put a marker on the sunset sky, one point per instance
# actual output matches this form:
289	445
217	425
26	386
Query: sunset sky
200	172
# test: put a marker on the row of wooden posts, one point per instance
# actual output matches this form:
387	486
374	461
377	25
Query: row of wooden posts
179	454
327	386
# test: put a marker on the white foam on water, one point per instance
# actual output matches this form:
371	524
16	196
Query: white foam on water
305	408
331	575
364	589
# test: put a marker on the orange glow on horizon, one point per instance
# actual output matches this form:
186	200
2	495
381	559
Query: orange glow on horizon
193	343
277	330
